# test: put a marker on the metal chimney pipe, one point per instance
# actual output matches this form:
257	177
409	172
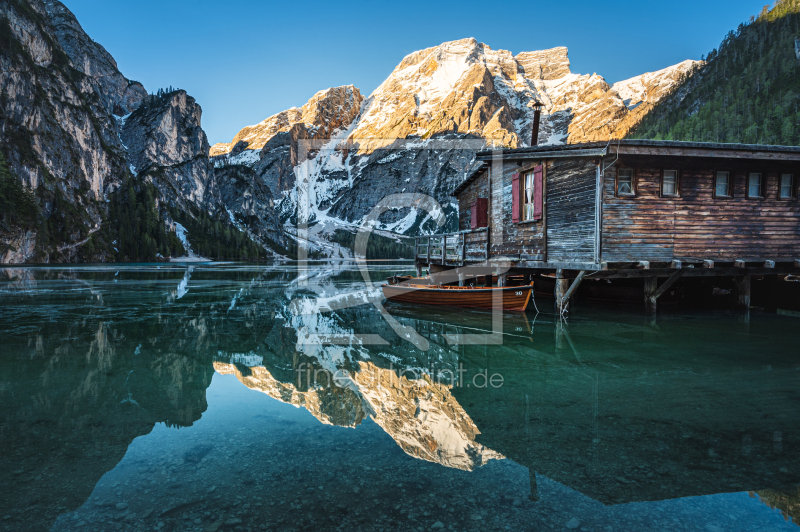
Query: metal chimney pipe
537	112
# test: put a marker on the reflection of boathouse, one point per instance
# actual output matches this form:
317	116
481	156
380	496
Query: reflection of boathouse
629	209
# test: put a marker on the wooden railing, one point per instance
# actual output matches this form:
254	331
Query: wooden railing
471	245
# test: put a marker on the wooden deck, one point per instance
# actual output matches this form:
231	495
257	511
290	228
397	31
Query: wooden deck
471	248
453	249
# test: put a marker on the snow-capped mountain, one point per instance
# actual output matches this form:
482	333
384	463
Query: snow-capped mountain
326	111
386	144
650	87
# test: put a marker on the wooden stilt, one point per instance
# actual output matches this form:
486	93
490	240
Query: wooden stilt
534	496
573	288
560	339
742	283
501	280
419	270
650	298
562	285
487	280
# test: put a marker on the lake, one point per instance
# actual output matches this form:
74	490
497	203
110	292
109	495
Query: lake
282	397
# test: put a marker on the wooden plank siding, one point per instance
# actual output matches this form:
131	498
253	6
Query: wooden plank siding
525	239
571	193
569	211
696	224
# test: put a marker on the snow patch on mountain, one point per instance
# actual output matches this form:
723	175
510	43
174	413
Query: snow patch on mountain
635	90
246	157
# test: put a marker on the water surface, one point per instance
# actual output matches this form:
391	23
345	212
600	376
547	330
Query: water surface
230	397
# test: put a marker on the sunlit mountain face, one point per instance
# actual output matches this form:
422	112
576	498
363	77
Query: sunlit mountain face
225	397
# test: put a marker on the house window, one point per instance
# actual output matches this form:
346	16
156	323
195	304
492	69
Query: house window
754	185
669	183
527	197
722	185
479	213
787	186
625	182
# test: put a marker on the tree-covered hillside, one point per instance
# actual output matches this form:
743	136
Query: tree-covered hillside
746	92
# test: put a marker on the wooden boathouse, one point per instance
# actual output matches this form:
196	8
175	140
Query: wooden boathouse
626	209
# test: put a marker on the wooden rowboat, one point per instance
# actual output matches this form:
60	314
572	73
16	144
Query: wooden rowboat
409	280
511	297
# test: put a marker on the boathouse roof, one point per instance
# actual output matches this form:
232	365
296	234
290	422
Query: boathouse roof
633	147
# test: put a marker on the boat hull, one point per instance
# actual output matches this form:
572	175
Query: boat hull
514	298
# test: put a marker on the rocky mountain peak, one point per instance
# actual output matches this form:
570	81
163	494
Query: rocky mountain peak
456	87
325	112
652	86
456	90
58	135
331	109
544	64
120	95
467	87
165	142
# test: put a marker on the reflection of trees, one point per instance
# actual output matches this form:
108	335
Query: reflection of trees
786	501
91	360
94	358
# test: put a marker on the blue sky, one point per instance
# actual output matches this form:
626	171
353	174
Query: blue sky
246	60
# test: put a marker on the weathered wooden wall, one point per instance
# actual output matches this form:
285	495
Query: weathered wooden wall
569	211
697	225
479	188
525	239
647	226
571	203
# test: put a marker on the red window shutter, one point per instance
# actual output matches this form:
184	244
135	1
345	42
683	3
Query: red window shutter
483	212
538	174
515	208
473	219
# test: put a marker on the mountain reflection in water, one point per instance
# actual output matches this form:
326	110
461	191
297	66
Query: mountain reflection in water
123	408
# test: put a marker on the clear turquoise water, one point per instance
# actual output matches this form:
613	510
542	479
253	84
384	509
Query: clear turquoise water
216	398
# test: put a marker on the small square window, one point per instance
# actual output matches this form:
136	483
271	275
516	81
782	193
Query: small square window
625	182
787	189
722	185
754	185
669	183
